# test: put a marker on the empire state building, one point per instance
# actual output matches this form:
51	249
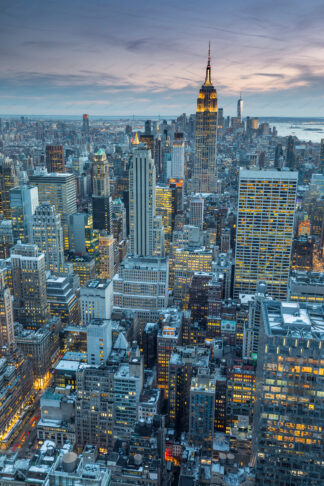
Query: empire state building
204	172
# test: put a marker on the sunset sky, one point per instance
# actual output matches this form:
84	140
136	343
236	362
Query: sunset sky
105	57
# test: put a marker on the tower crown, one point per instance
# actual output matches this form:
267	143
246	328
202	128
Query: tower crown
208	81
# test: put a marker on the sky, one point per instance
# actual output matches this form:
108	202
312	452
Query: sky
107	57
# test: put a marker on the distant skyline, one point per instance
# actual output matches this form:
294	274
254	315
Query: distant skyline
118	58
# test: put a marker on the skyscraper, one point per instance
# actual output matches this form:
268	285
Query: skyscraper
101	200
48	236
204	172
29	285
8	180
178	156
55	160
142	202
288	414
240	108
59	189
23	203
264	230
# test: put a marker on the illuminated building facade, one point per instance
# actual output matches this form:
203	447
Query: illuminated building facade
48	236
204	173
187	261
23	203
302	253
62	300
196	211
55	160
288	415
168	338
16	392
100	174
264	231
6	238
164	208
106	256
84	266
306	287
142	202
8	180
29	285
60	190
7	336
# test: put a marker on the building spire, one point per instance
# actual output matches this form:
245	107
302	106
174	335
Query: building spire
208	70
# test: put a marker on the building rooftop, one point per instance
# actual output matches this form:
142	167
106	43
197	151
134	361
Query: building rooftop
300	320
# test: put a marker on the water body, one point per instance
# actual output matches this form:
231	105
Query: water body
304	130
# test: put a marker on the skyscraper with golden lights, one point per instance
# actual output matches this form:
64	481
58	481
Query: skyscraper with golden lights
204	172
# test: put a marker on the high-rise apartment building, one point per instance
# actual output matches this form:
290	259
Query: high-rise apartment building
48	236
178	156
8	180
55	160
288	415
58	189
29	285
142	202
23	203
264	230
164	208
204	173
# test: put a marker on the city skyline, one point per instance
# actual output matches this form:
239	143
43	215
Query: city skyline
111	59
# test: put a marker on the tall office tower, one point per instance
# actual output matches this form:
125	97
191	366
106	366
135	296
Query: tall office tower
55	160
264	230
302	253
6	238
141	285
240	108
168	338
164	208
202	409
184	362
83	238
106	255
291	155
8	180
204	173
178	156
148	138
288	421
60	190
196	211
95	406
99	341
48	236
142	202
23	203
278	161
119	220
7	336
85	124
29	285
96	298
100	174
